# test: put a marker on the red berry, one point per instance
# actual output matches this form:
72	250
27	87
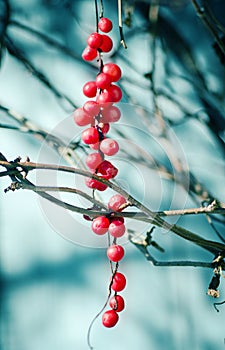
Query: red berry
100	225
105	98
104	127
109	147
116	228
107	43
107	170
95	146
117	303
93	160
89	54
115	253
112	70
116	201
116	92
111	114
92	108
90	135
119	282
95	185
90	89
110	318
94	40
118	218
105	25
103	81
81	117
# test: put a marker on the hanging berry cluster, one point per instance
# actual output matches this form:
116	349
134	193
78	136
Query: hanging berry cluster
97	114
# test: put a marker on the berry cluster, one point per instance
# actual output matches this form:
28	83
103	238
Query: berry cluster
115	253
97	114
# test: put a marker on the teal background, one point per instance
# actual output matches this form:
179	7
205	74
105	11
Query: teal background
52	285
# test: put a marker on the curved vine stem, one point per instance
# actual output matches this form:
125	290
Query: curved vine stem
103	307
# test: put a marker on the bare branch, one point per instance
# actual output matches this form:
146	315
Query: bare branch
37	189
212	208
141	244
211	246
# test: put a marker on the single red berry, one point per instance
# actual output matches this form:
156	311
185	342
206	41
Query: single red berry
89	54
119	282
116	92
92	108
81	117
107	169
117	218
117	303
95	146
115	253
105	98
110	318
105	25
111	114
90	89
94	40
95	185
93	160
113	70
104	128
116	228
103	81
107	43
109	147
116	201
90	135
100	225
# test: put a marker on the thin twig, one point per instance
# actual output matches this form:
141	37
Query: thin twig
37	189
213	208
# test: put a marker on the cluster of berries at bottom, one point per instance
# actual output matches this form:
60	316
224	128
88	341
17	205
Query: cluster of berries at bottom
115	253
97	114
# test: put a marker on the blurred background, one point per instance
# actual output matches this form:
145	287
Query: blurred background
54	272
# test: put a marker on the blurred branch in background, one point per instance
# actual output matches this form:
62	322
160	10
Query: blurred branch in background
214	27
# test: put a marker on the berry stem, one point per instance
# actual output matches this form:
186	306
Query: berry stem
100	61
122	39
101	14
96	15
109	244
